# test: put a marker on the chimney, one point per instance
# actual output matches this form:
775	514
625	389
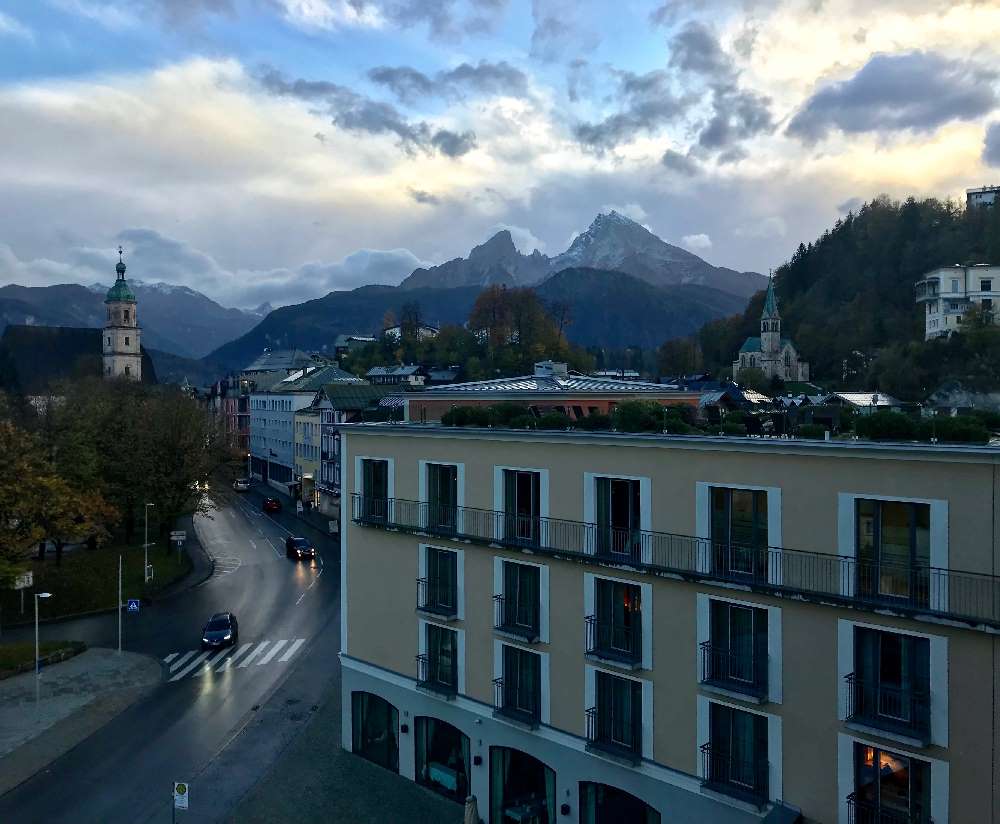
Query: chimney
551	369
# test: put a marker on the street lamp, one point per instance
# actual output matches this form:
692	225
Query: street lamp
249	467
37	650
145	546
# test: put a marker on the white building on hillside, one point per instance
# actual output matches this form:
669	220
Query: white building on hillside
946	294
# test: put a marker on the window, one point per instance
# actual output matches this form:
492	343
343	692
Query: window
517	607
987	304
893	543
374	489
125	314
438	666
890	686
375	729
889	787
126	340
442	757
603	804
986	285
615	631
437	592
618	519
521	504
954	285
109	341
442	497
735	656
735	758
128	370
522	788
615	723
518	692
739	533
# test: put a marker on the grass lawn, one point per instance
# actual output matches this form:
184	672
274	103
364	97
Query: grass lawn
88	581
13	655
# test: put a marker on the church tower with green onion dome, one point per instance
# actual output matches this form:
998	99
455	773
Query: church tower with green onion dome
122	355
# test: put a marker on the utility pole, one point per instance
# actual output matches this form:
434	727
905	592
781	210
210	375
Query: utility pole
119	604
145	546
37	650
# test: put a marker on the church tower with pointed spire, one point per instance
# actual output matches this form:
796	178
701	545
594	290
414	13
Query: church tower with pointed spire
770	323
773	355
122	354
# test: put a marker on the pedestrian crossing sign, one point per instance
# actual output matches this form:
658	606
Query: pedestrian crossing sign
133	605
180	795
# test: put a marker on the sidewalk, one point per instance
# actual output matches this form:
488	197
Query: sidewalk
77	697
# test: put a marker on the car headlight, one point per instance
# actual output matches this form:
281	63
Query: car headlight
227	636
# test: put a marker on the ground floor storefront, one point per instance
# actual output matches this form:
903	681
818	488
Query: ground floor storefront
518	775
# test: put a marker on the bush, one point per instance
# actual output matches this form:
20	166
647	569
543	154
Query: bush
811	430
554	420
734	428
638	416
466	416
594	423
886	426
524	422
991	420
502	414
960	429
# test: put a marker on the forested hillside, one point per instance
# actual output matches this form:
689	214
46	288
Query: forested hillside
847	300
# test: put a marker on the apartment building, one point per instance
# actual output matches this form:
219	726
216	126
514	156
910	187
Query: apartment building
946	294
584	627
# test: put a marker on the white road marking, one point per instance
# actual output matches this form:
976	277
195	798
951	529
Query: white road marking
260	648
201	657
181	660
212	661
170	658
253	543
294	648
271	653
303	595
229	661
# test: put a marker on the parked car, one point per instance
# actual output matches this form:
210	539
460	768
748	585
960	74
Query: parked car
299	548
272	505
222	630
241	484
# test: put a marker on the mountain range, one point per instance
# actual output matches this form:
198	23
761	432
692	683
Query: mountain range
612	243
174	319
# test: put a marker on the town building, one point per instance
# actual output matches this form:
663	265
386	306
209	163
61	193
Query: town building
345	344
551	388
423	332
272	422
772	354
981	196
122	354
308	429
406	375
949	292
578	627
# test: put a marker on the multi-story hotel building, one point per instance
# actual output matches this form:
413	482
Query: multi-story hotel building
949	292
582	627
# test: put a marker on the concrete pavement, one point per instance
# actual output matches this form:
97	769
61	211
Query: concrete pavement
77	697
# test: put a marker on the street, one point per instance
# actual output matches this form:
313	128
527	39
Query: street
287	615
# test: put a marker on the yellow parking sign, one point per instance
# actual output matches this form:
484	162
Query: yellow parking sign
180	795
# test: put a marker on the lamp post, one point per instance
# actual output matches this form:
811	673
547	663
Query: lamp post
37	649
249	467
145	546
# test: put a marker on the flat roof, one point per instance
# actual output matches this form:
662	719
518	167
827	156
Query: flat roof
908	450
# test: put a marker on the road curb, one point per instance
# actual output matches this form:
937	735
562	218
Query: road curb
64	654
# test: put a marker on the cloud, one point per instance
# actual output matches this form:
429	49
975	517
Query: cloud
153	257
410	85
852	204
426	198
118	15
916	90
991	145
631	210
699	242
559	28
768	227
11	27
524	240
355	112
440	16
577	79
680	163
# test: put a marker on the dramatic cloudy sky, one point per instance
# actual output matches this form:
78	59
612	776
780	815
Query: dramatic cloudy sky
276	149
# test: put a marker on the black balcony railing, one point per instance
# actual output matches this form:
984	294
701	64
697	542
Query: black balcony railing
860	811
905	710
725	773
515	618
618	737
615	642
737	670
517	701
437	596
437	674
969	597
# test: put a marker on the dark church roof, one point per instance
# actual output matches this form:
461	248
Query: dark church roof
34	358
753	345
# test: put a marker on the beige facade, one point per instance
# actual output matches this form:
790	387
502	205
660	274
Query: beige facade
710	742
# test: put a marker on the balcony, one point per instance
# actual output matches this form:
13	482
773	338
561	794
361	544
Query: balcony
437	676
615	642
927	289
437	597
621	742
515	703
868	812
901	710
518	620
734	670
968	597
724	773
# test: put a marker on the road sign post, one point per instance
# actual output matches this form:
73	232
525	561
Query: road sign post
133	606
178	536
182	790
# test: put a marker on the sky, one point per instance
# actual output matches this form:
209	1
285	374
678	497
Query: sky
274	150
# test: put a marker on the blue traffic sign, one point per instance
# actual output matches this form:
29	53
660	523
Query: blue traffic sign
133	605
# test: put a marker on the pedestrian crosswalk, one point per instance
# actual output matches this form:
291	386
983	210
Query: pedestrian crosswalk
196	663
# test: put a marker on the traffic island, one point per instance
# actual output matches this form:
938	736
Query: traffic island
75	698
18	658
